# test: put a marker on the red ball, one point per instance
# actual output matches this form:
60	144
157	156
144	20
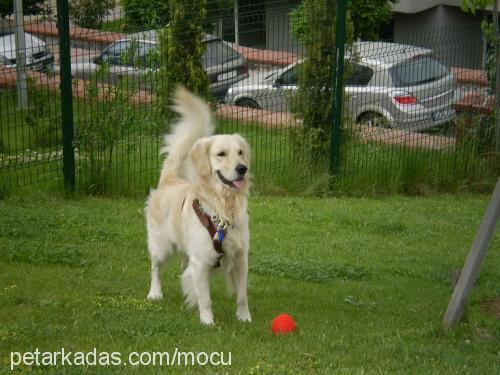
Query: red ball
283	324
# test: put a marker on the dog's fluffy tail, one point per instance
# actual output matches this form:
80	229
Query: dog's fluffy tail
195	122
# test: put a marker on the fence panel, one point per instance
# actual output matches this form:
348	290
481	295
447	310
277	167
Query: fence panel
30	112
418	110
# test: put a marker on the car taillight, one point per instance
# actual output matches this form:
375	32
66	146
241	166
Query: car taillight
404	99
245	69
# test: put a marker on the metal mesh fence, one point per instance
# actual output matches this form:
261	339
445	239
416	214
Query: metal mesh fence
418	107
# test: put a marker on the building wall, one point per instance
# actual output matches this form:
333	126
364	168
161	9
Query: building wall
455	36
278	34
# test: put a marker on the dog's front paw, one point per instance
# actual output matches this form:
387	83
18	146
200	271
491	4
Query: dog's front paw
155	296
207	318
207	321
243	315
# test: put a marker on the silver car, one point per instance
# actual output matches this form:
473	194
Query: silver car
390	85
38	55
222	63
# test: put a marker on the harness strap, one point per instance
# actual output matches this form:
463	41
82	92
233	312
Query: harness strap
207	222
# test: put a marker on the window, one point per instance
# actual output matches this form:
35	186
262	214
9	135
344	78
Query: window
113	55
147	55
218	53
417	71
360	76
290	77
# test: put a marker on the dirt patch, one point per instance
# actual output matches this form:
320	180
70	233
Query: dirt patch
492	306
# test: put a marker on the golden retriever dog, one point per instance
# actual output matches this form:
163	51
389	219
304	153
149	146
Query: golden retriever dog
199	208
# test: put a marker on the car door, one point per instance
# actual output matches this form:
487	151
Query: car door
359	95
283	90
119	57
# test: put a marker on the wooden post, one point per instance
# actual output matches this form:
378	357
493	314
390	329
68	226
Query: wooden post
472	266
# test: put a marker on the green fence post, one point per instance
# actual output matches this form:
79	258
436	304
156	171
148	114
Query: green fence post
66	95
338	85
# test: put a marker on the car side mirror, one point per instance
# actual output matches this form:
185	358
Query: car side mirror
98	60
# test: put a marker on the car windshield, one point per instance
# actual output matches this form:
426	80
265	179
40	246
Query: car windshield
218	53
417	71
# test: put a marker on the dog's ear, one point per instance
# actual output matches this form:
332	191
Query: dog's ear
200	157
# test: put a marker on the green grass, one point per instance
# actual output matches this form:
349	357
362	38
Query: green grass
117	25
367	281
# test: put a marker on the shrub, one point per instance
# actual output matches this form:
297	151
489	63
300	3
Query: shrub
99	130
29	7
367	18
43	117
90	13
145	14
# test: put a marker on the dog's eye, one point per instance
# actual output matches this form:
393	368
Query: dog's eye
221	154
240	152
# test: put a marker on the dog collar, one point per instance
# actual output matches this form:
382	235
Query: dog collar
215	226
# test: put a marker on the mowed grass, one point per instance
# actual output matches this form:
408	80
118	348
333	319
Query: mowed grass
367	281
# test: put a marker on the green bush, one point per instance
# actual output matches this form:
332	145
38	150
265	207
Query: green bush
367	18
43	117
29	7
89	13
99	130
145	14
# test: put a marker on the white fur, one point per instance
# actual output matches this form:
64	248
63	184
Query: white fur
190	172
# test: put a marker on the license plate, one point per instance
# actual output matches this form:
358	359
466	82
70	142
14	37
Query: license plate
443	115
227	75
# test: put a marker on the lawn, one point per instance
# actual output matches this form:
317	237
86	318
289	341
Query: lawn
367	281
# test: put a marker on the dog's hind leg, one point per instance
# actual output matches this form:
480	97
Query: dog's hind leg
159	251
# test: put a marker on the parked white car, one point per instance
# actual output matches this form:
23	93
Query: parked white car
391	85
38	55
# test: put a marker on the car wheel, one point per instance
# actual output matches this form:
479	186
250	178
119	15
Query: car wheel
374	119
249	103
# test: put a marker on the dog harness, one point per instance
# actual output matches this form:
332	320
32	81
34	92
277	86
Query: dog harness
216	228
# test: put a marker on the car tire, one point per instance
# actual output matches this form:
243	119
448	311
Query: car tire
374	119
248	103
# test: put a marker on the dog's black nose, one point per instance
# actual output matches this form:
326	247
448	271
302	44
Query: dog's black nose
241	169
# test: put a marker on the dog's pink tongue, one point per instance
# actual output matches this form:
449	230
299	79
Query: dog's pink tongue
238	184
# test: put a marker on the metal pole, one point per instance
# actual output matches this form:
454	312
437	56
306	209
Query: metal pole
338	84
236	24
66	96
472	265
22	84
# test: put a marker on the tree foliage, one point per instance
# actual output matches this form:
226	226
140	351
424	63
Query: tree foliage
489	33
29	7
155	14
486	140
367	18
474	5
145	14
181	50
314	98
89	13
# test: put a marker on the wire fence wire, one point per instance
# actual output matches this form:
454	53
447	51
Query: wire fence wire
418	107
